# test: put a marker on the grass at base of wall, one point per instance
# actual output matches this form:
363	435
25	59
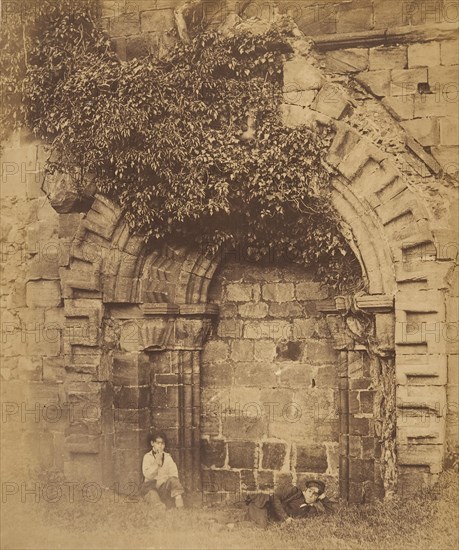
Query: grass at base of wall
422	522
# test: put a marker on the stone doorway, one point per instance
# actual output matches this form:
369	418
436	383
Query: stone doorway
269	382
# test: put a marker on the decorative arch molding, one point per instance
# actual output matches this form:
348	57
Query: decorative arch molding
113	277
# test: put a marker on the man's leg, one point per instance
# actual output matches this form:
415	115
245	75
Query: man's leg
172	489
147	487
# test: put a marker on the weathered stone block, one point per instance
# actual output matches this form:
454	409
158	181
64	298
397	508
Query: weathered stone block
377	82
227	311
248	482
311	458
286	309
241	350
215	352
436	104
359	426
300	75
388	58
405	81
125	24
68	225
214	481
401	108
220	376
254	374
126	419
366	401
29	368
349	60
302	98
389	14
125	397
385	329
303	328
166	418
449	52
241	454
297	115
421	455
444	78
230	328
43	294
213	453
355	446
53	369
130	439
453	370
354	404
310	291
251	310
265	480
83	444
136	47
449	131
159	396
238	427
447	157
411	479
44	266
424	55
361	470
331	101
278	292
321	351
275	330
426	130
295	376
353	18
130	369
356	492
157	20
264	350
273	456
241	292
327	377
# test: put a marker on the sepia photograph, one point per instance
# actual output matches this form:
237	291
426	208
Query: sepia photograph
229	274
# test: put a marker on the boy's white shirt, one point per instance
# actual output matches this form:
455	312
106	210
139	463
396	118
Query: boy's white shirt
152	471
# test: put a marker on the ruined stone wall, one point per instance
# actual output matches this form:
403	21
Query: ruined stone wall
269	382
399	97
32	366
418	84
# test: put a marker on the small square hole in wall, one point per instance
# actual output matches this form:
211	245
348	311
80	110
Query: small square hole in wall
424	88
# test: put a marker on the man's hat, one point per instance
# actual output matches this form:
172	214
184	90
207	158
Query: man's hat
315	483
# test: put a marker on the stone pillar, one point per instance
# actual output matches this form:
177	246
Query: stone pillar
156	381
344	426
175	382
131	400
366	397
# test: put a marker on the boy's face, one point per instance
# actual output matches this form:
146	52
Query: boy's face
311	495
158	445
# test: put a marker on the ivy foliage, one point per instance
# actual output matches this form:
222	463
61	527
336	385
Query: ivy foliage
192	146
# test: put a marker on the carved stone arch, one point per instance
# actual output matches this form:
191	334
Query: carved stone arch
112	276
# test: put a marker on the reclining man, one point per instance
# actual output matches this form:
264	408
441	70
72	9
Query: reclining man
289	502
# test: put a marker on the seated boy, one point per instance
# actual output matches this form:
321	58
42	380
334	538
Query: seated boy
160	472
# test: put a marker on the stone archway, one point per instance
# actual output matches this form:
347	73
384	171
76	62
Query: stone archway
145	316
